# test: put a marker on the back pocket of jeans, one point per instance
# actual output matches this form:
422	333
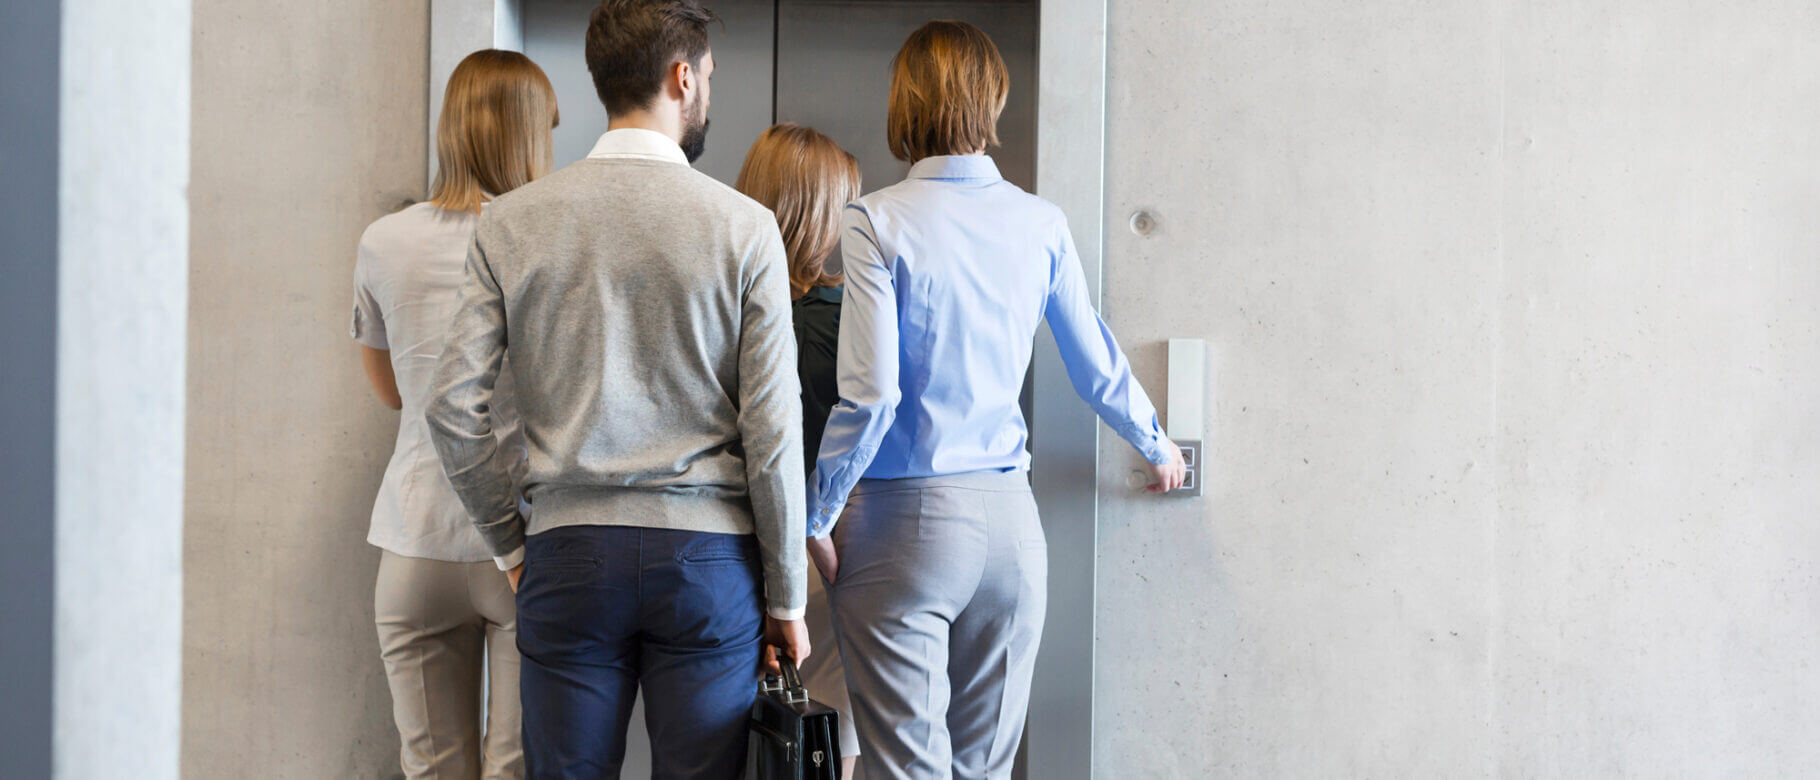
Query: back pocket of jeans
563	562
743	549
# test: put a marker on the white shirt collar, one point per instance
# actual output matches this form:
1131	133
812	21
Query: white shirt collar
634	142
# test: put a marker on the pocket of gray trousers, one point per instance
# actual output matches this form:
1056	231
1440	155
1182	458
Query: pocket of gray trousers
1019	514
871	528
875	515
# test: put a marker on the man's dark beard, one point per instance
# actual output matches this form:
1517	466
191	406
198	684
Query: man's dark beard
695	140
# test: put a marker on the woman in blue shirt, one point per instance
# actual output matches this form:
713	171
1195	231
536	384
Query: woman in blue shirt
937	564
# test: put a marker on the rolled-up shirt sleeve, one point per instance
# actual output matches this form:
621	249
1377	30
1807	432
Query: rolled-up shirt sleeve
867	372
367	325
1096	366
460	410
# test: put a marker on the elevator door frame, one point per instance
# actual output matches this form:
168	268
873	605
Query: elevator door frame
1070	171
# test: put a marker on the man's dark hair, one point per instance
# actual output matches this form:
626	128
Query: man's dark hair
632	44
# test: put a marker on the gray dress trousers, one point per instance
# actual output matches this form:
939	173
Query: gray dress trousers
938	608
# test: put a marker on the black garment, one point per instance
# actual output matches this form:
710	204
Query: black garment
816	316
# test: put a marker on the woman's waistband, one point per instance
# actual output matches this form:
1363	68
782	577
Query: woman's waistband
1013	481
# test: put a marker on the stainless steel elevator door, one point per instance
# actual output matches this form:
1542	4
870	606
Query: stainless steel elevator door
739	101
833	67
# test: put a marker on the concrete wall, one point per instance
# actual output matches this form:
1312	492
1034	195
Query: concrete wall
1515	368
28	348
1516	373
308	124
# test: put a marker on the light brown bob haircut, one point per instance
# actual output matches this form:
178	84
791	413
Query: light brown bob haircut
948	86
494	132
805	178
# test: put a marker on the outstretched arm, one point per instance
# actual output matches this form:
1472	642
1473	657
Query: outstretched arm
1099	371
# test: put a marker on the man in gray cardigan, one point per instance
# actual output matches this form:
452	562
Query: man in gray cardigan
647	310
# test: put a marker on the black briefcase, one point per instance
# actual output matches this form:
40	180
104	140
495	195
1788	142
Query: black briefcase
793	738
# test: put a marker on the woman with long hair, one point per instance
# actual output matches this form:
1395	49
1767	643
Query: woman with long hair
444	609
937	566
805	178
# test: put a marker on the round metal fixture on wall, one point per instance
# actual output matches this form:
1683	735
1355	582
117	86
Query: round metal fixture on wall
1142	222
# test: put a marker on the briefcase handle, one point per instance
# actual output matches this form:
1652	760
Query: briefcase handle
793	680
791	686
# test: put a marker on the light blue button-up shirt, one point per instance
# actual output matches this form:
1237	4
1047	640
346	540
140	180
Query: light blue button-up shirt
949	272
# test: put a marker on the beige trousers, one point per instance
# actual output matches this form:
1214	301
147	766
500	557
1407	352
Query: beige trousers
445	631
823	674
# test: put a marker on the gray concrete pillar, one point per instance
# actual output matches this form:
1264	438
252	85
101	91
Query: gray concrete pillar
1070	171
122	304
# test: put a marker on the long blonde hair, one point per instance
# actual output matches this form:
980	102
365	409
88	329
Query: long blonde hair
494	132
805	178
